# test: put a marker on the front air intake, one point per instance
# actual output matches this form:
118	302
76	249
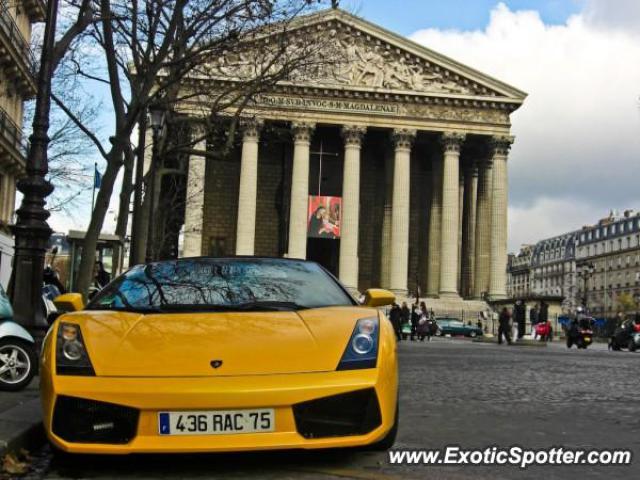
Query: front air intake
353	413
79	420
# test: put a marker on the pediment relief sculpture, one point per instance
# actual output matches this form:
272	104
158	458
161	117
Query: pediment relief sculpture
337	55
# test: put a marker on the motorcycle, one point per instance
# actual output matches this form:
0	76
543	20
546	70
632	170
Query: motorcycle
579	335
544	331
626	336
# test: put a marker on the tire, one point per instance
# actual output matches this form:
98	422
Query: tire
21	352
472	334
390	438
569	343
614	346
632	345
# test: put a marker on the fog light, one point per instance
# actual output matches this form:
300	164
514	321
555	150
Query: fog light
103	426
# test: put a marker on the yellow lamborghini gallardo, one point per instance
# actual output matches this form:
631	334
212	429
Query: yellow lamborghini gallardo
224	354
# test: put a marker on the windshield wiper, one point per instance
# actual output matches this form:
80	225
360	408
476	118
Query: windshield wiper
258	306
270	305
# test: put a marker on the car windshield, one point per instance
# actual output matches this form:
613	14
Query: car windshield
234	284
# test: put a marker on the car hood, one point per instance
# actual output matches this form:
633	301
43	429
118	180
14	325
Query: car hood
247	343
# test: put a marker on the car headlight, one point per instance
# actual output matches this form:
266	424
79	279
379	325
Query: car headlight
71	354
362	349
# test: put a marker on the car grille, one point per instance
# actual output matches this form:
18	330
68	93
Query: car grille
88	421
353	413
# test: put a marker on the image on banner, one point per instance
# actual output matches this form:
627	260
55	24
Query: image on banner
324	217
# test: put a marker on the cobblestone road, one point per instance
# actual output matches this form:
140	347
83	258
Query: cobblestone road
452	392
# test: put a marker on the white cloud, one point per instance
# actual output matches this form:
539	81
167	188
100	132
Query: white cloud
578	133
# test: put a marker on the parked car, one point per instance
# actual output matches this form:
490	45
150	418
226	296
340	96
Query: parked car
453	326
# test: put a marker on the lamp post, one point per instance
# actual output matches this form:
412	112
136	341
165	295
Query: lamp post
586	271
31	230
156	122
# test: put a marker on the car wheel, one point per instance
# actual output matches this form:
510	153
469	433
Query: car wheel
472	334
569	343
615	347
390	438
632	345
18	362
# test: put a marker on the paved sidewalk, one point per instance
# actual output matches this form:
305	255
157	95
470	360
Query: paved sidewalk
20	418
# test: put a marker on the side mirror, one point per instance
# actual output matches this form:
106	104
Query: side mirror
378	297
69	302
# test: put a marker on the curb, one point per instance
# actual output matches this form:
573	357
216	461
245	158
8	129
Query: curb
21	427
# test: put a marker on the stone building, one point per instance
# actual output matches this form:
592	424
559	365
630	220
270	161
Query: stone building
545	269
519	273
412	143
608	260
17	83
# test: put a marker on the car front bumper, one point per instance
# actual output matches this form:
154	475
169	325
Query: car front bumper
280	392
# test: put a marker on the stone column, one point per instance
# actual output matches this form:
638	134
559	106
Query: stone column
435	218
299	190
483	230
460	219
350	206
403	139
247	196
194	205
498	279
385	257
469	228
451	143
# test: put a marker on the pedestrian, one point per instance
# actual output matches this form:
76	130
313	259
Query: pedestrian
423	326
415	318
504	326
405	316
533	318
395	317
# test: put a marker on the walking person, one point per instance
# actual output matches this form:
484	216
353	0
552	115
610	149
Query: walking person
423	323
395	317
405	316
415	318
504	326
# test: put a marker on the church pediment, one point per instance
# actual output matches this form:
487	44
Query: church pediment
369	58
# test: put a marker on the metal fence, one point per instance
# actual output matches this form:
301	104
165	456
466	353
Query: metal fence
12	134
14	39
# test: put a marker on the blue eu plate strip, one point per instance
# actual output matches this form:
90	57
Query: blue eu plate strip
165	426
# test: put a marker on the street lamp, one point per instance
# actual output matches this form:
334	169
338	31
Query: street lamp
156	122
585	272
31	230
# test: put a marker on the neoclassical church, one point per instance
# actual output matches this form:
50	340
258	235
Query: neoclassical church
390	169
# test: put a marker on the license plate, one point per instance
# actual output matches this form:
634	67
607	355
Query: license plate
587	339
216	422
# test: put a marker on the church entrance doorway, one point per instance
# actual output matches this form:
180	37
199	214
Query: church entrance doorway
325	198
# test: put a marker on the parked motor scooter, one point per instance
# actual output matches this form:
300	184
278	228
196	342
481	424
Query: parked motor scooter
18	355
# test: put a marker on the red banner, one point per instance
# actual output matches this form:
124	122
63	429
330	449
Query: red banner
324	217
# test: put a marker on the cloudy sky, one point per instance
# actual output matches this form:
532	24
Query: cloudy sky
577	151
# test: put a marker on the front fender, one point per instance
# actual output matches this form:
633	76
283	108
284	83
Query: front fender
12	329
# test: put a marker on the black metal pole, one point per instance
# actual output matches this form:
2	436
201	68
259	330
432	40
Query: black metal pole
31	230
151	238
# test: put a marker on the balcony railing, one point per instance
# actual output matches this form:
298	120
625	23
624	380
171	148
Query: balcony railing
12	134
15	40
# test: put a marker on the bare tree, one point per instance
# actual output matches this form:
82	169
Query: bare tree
159	51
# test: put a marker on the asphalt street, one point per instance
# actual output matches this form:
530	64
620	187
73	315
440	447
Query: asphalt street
453	392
